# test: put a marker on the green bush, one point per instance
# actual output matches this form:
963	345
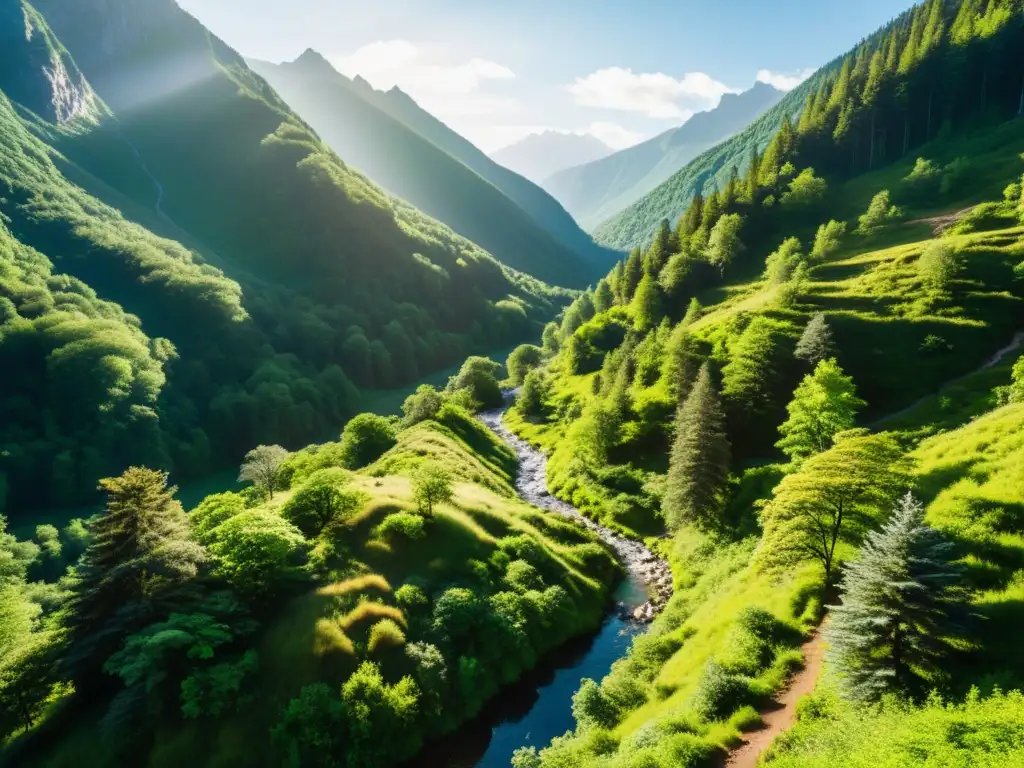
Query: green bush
385	634
401	525
366	438
719	692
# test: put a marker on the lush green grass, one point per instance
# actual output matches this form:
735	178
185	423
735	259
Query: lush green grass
973	479
664	681
980	733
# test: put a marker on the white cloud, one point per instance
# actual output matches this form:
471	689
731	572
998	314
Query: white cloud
614	135
782	80
655	94
425	73
455	89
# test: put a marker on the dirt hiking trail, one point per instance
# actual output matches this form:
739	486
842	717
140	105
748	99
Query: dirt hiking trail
780	715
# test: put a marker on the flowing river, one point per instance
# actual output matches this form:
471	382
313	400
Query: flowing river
538	708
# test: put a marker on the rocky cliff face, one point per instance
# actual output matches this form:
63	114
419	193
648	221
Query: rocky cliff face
35	70
136	51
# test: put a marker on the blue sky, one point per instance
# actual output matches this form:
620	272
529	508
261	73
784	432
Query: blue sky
496	70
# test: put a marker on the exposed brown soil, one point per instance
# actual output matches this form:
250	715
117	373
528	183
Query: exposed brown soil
780	715
941	223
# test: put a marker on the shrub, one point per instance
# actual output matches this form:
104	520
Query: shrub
592	708
366	438
881	211
939	265
385	634
828	239
401	525
478	380
532	400
411	597
523	359
522	576
719	692
421	405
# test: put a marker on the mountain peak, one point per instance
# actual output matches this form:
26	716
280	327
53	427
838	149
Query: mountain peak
313	61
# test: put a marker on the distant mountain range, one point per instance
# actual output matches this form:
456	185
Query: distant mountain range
400	146
594	192
541	155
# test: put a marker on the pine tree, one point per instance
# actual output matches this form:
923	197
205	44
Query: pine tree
693	312
682	362
712	211
140	550
699	462
632	271
824	405
657	255
900	599
647	304
691	220
603	297
815	343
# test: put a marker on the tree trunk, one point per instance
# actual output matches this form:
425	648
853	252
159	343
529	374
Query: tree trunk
984	86
871	144
898	665
1020	109
928	126
26	714
906	131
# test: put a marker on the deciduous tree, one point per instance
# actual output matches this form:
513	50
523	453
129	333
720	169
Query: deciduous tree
261	467
824	405
834	496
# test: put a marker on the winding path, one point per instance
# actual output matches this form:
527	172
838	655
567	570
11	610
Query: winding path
531	483
1015	343
780	716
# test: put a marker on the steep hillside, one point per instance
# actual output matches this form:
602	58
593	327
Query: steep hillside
417	170
597	191
547	211
636	224
280	280
934	71
387	621
541	155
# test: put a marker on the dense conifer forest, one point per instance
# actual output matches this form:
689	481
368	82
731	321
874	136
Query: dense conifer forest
801	395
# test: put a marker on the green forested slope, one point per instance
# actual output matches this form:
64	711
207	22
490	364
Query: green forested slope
935	70
291	280
417	170
596	191
731	382
531	197
339	621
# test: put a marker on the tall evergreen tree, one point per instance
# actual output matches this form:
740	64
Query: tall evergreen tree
140	551
632	271
815	343
682	362
604	299
824	405
692	220
648	308
693	312
699	462
900	601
